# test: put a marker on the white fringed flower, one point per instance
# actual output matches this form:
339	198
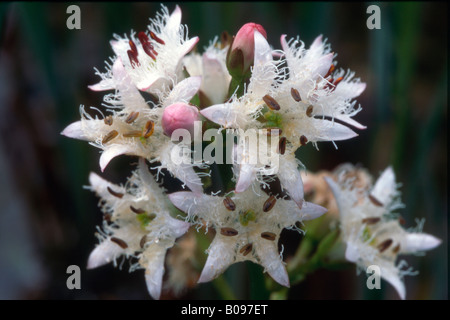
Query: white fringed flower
248	226
155	58
139	226
372	233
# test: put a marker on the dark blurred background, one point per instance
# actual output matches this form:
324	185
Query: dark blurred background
47	220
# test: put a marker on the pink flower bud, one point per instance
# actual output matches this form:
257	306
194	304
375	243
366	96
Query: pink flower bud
179	116
245	41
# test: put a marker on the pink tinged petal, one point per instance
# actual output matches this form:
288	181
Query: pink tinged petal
75	131
120	47
155	271
291	180
385	186
284	44
220	114
391	276
104	253
352	253
188	46
185	90
221	256
113	151
332	132
177	227
174	21
324	64
271	261
102	85
215	79
186	201
188	176
414	242
247	175
263	53
311	211
316	43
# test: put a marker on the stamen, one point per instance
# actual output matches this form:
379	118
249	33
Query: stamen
338	80
282	145
396	249
384	245
143	241
132	134
372	220
303	140
154	37
375	201
269	204
229	204
229	232
309	111
401	220
114	193
133	58
332	67
295	95
108	120
146	45
133	47
111	135
271	102
137	210
132	117
149	128
268	236
119	242
245	250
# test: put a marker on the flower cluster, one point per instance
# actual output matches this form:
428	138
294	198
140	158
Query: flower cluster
295	95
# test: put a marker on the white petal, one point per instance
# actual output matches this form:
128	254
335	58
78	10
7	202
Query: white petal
113	151
350	121
188	46
391	276
334	132
263	53
323	65
186	174
177	227
414	242
104	253
385	186
155	270
311	211
291	180
215	79
184	91
247	175
284	44
221	256
221	114
270	259
103	85
75	131
352	252
174	21
184	200
317	43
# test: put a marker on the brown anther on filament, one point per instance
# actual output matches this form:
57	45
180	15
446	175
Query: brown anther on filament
295	95
154	37
269	204
396	249
330	71
375	201
245	250
133	47
309	111
271	102
229	204
384	245
282	145
303	140
148	129
268	236
114	193
401	220
111	135
137	210
371	220
146	45
133	58
132	134
229	232
132	117
143	241
119	242
338	80
108	120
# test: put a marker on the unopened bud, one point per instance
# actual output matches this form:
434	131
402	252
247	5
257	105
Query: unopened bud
179	116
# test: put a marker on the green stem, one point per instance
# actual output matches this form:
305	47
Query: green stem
224	288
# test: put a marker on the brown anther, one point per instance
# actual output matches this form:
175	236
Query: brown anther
132	134
154	37
111	135
271	103
384	245
396	249
401	220
108	120
107	217
115	193
143	241
229	204
137	210
269	204
282	145
338	80
371	220
133	58
133	47
330	71
143	38
245	250
271	131
303	140
148	129
295	95
375	201
268	236
148	48
119	242
229	232
132	117
309	111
